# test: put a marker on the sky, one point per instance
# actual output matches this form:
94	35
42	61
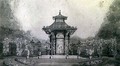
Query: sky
86	15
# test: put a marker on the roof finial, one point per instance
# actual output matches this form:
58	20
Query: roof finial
59	12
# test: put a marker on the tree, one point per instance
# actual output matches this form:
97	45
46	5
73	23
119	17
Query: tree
107	50
8	22
110	27
7	18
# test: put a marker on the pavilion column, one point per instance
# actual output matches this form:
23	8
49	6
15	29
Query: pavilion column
65	43
50	36
68	42
55	42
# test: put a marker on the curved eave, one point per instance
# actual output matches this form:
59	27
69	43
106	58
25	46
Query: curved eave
72	31
48	30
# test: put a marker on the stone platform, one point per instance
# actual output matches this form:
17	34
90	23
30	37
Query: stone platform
44	60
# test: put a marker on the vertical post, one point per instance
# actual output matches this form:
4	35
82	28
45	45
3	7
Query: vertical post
115	44
50	44
28	52
39	53
68	42
55	42
78	52
64	41
68	45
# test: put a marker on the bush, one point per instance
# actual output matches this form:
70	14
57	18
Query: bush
117	57
84	54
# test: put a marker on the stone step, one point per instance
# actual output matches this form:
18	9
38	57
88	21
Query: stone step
56	64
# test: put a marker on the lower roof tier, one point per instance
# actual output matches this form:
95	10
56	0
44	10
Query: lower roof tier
59	26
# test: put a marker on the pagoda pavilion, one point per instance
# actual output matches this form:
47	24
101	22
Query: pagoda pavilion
59	33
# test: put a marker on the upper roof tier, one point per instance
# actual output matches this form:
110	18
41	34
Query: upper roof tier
60	16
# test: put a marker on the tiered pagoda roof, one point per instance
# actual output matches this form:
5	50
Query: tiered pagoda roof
59	25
